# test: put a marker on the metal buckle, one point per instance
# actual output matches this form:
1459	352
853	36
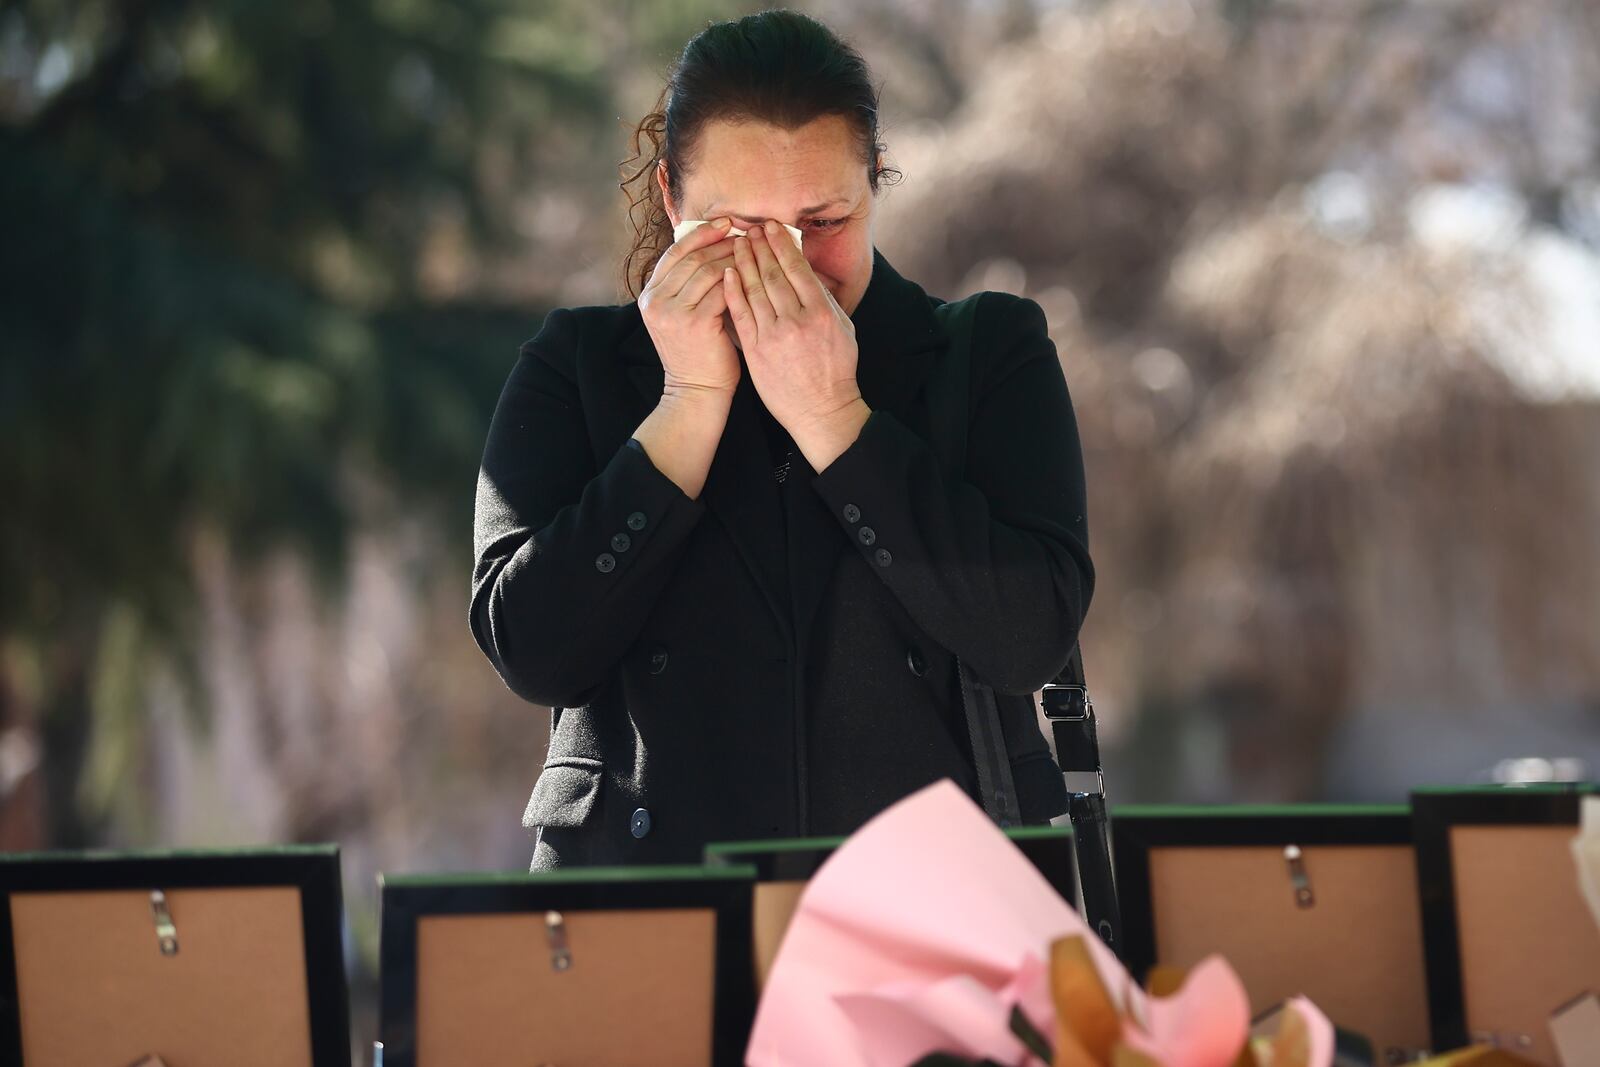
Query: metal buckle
1064	703
1070	712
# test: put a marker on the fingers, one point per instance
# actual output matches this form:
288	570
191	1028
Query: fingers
802	279
754	286
702	273
713	298
670	275
774	279
705	279
739	309
699	237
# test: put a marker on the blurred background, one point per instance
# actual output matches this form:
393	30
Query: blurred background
1324	278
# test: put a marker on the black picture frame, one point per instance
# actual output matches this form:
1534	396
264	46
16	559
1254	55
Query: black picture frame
405	899
312	869
1137	829
796	859
1434	810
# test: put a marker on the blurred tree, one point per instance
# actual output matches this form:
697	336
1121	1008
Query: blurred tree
215	305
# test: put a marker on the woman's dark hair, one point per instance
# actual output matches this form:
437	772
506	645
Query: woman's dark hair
779	67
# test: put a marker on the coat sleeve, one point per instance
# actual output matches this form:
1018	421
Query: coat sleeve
994	566
568	560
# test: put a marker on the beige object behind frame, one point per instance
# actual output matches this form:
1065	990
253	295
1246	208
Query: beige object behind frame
1318	900
1509	935
200	956
596	967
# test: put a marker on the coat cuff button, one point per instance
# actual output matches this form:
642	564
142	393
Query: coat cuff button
605	562
620	542
636	521
851	513
640	823
867	535
882	557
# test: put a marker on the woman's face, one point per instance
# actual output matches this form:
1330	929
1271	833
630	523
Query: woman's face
808	178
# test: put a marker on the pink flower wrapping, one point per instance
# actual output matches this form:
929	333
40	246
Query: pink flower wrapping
927	926
898	1022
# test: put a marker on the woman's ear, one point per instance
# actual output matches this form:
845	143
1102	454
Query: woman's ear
666	194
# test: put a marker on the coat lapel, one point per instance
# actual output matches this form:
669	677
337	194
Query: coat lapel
897	335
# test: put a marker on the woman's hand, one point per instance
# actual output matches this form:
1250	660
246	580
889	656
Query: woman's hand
682	306
799	344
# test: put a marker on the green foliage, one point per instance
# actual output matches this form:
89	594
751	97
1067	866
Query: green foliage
210	310
210	302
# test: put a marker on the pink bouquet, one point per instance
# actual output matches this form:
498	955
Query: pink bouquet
928	939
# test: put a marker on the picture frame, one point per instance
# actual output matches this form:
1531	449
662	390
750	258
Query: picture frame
1495	973
174	941
1272	887
607	953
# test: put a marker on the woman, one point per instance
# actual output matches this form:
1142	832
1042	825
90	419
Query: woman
710	531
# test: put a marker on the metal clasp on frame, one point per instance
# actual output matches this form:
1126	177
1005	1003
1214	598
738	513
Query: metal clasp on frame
166	930
1303	897
555	929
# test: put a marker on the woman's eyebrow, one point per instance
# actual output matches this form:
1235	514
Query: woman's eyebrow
710	211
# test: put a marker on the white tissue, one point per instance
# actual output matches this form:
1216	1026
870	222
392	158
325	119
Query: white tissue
689	224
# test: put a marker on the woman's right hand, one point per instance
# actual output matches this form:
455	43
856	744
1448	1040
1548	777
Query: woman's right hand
682	305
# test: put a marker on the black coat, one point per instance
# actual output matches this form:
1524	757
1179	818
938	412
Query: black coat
770	659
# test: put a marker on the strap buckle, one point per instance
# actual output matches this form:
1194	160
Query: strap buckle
1072	724
1068	702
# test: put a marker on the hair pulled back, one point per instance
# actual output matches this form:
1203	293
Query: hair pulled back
779	67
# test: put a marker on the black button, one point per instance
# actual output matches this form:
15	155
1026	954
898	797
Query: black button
882	557
916	661
605	562
851	513
640	824
867	535
620	542
658	660
636	521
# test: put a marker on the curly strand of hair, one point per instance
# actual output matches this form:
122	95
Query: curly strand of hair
652	227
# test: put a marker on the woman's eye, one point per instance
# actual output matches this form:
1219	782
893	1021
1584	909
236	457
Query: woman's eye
828	224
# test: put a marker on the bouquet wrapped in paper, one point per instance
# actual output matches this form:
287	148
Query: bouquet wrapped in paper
927	938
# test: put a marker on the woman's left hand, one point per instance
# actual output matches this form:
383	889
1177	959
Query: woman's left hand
799	345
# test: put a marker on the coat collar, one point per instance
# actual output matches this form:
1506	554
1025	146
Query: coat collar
897	335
